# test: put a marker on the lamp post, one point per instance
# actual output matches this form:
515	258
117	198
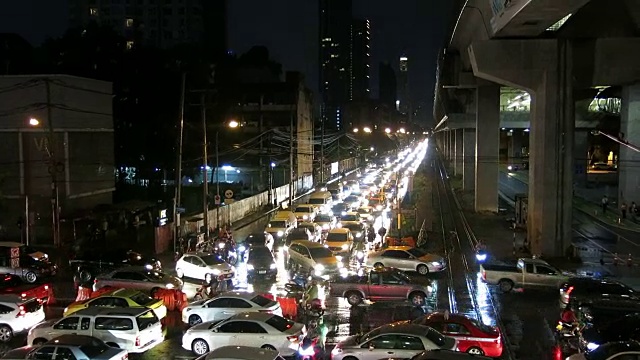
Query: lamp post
232	124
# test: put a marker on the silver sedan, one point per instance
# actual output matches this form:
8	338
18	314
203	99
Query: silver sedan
137	278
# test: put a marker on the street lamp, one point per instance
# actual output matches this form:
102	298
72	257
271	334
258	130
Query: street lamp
367	130
34	122
387	130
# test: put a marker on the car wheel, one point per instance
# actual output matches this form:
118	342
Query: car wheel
422	269
505	285
269	347
38	342
475	351
194	320
378	265
30	277
179	273
353	298
6	333
417	298
199	347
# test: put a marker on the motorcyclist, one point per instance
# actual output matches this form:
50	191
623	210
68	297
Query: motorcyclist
312	292
371	234
569	316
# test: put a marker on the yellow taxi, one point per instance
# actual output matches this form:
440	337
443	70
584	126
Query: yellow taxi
121	298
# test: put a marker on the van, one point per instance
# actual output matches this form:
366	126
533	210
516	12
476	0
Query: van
290	216
133	329
322	200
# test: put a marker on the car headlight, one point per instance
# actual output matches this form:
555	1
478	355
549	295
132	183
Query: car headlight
305	217
360	254
169	286
280	233
215	272
241	248
319	267
221	245
344	213
273	266
249	267
359	234
325	226
592	346
509	167
65	310
345	247
148	267
436	263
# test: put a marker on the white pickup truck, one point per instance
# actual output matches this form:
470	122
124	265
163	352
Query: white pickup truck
525	273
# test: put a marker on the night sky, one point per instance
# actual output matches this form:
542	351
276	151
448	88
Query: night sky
412	27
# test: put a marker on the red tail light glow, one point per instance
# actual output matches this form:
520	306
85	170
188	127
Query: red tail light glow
137	341
23	295
569	290
557	353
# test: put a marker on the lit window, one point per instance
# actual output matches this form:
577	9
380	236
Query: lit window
129	44
128	22
93	11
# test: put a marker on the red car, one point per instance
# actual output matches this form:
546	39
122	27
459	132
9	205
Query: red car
11	284
473	337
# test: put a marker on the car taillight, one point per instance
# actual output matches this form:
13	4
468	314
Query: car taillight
137	341
569	290
24	295
21	312
293	338
46	287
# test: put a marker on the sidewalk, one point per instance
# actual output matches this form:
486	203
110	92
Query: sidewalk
589	206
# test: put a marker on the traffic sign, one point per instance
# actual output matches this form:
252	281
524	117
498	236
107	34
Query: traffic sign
228	194
217	199
15	252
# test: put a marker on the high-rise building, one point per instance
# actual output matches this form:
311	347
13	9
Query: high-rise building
360	66
335	59
387	84
159	23
403	86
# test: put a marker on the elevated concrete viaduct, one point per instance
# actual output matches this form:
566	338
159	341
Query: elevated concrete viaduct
556	51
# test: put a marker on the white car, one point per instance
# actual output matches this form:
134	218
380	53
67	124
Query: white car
254	329
69	347
397	341
407	258
366	214
226	305
350	218
241	353
305	212
340	241
17	315
203	266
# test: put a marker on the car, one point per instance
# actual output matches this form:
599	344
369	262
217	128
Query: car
442	354
27	268
279	228
24	250
473	336
67	347
407	258
88	263
305	212
132	277
339	209
298	234
366	213
253	329
327	222
313	258
358	231
340	241
12	284
227	305
400	341
203	266
241	353
17	315
260	262
314	229
350	217
583	290
620	350
352	201
120	298
256	239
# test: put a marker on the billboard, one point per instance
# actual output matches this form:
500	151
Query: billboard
334	168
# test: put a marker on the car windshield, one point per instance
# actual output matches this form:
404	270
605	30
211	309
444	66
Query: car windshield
354	227
349	218
298	235
320	252
142	299
317	201
212	260
279	323
435	337
277	224
484	328
94	349
303	209
336	237
364	211
262	301
323	219
260	253
401	275
417	252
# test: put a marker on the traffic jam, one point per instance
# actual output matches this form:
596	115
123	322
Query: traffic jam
336	277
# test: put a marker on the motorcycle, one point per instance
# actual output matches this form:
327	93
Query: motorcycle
311	347
313	309
226	251
209	290
569	338
481	256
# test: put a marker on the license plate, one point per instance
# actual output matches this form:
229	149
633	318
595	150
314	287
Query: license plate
262	272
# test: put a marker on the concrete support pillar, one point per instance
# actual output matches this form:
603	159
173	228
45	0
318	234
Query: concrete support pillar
452	145
469	159
515	144
580	156
544	69
458	133
445	144
487	147
629	162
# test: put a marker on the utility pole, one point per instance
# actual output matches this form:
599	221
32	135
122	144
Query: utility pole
291	162
321	149
205	184
53	170
270	193
218	180
178	188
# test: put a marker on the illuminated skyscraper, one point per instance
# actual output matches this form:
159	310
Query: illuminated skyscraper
403	86
360	66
